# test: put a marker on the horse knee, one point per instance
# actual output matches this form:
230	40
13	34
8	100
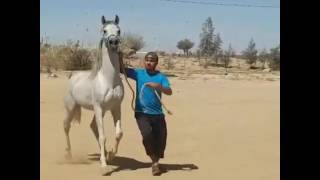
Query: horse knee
102	139
119	135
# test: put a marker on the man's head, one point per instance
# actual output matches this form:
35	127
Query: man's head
151	61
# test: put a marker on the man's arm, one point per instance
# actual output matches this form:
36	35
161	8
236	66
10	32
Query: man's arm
130	72
158	86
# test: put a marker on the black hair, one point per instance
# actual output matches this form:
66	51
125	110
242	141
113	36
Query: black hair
152	55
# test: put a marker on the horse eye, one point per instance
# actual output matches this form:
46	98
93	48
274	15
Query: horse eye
118	31
104	31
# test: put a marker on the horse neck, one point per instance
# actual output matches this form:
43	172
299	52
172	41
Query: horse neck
110	65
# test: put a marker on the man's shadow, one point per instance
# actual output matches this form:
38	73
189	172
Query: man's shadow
126	163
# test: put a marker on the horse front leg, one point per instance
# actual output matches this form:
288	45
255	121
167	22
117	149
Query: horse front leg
94	129
116	114
102	139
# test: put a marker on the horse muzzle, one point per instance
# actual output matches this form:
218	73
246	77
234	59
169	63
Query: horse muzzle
113	41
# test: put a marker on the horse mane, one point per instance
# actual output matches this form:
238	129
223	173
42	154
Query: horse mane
97	64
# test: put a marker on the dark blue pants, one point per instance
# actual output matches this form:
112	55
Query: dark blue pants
153	129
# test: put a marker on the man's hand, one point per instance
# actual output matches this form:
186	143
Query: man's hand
122	66
158	86
154	85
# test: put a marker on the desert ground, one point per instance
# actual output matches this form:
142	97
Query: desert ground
223	127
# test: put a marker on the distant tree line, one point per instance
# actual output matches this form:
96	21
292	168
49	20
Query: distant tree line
210	49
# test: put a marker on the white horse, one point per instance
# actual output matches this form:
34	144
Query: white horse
99	90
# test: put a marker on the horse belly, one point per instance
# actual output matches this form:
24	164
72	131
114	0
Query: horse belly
82	94
85	101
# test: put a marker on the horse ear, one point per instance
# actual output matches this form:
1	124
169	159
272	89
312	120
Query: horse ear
103	20
116	20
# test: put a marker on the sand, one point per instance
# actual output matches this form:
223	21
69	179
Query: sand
220	129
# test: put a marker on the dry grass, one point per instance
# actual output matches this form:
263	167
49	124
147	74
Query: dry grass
71	58
186	68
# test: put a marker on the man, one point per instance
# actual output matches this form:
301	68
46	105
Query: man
148	110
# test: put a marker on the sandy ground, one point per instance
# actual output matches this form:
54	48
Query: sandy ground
221	129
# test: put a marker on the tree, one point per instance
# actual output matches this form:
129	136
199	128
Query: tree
206	44
198	54
216	46
233	53
275	58
263	57
185	45
226	57
251	53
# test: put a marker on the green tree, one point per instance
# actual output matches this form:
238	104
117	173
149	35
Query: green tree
251	53
185	45
206	44
217	47
263	57
275	58
206	38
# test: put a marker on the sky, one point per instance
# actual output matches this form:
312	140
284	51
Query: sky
162	23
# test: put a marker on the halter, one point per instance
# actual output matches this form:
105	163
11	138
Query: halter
106	40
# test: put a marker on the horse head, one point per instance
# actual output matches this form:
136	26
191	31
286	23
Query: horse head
111	32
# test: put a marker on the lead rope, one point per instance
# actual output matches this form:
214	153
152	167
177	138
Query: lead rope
168	111
158	96
125	77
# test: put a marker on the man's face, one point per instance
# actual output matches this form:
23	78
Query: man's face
150	63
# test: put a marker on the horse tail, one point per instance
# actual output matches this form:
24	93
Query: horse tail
77	114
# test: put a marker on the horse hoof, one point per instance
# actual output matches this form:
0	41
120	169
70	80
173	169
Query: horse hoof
105	170
68	156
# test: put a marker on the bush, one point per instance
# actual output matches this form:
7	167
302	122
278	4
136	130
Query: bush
168	63
65	57
161	53
132	41
75	59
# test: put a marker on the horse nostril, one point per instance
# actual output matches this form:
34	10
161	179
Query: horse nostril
114	42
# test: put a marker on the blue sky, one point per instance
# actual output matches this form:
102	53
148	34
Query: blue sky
161	23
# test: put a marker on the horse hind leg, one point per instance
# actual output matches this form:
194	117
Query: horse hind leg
67	125
94	129
77	114
71	109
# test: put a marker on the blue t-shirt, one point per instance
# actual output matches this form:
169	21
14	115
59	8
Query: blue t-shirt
146	99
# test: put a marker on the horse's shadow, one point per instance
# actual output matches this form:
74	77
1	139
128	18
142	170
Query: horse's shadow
126	163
